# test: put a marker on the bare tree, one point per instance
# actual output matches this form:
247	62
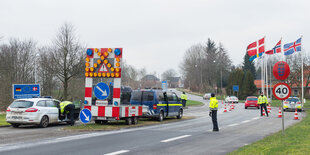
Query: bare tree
68	56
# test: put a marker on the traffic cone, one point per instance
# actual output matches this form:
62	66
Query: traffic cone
296	115
269	109
230	108
222	102
280	113
264	112
225	110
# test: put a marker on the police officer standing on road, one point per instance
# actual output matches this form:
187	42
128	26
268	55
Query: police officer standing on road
262	101
213	111
67	107
184	99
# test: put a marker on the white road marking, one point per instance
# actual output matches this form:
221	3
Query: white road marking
246	121
175	138
117	152
255	118
233	124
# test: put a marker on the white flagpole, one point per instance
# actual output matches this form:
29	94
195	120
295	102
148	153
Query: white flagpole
302	73
266	70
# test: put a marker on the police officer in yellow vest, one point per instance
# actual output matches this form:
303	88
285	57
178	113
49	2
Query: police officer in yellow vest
184	99
67	107
262	101
213	111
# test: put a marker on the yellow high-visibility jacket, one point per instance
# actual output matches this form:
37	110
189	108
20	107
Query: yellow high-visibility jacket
262	100
63	105
183	97
213	103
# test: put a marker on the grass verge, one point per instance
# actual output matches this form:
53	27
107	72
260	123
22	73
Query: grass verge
117	125
193	103
2	120
295	141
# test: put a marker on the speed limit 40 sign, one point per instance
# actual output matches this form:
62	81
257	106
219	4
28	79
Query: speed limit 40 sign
281	91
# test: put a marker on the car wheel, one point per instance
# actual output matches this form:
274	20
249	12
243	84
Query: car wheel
284	109
245	107
257	107
15	125
161	116
44	122
128	121
180	114
134	120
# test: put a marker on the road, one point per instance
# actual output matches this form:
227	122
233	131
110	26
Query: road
237	128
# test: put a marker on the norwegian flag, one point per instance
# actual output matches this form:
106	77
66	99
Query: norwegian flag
256	49
276	49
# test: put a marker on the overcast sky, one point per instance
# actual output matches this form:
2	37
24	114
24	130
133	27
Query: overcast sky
156	33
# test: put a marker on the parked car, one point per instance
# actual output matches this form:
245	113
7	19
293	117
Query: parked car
231	99
37	111
292	103
251	101
206	96
161	104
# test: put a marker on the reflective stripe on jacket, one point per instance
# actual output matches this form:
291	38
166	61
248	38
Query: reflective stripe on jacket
183	97
262	100
213	103
63	105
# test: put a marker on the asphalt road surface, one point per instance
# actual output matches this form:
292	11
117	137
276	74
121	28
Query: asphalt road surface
238	127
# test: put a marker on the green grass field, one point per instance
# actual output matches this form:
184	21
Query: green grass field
2	120
193	103
295	141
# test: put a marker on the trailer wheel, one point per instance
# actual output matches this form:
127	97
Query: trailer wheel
128	121
134	120
161	116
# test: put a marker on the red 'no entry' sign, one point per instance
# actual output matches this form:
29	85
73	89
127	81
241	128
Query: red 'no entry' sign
281	70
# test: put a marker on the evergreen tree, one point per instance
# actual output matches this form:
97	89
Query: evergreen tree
236	78
248	86
248	65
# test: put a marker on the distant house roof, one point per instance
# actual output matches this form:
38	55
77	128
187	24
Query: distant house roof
149	78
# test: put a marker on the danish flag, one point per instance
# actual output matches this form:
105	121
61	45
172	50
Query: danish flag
256	49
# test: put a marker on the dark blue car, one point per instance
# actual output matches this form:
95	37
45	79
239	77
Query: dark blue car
161	104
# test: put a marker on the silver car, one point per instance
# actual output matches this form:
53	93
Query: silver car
39	111
231	99
291	104
206	96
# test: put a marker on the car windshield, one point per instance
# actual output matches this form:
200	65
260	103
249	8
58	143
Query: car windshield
21	104
252	99
292	100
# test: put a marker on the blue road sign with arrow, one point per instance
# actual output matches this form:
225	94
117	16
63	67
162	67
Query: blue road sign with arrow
236	88
85	116
102	91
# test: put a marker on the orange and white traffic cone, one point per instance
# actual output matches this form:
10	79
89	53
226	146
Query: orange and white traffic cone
230	108
222	102
269	109
280	113
264	112
233	106
296	115
225	110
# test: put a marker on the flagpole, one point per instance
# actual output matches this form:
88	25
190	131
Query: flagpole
302	73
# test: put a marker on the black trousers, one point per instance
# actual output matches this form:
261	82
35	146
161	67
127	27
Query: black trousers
70	108
263	105
214	120
184	103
